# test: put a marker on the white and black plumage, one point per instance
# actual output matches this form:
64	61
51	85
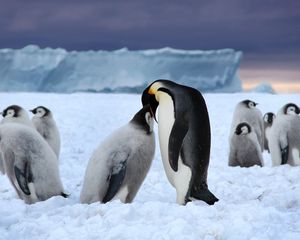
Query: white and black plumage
184	138
284	142
119	165
30	163
244	147
268	121
45	124
14	114
246	111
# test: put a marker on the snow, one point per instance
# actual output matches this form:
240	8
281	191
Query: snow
255	203
32	69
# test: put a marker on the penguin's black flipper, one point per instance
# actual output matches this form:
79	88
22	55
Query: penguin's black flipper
23	177
284	155
115	179
178	132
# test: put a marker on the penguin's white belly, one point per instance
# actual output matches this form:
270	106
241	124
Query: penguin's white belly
268	133
180	179
296	156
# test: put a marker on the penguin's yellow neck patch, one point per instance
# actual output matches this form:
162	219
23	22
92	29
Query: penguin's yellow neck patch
155	86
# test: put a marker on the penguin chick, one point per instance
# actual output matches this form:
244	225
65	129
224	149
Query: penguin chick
244	147
284	142
16	114
119	165
246	111
45	124
268	121
30	163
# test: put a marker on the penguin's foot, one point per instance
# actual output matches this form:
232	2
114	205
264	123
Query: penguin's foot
205	195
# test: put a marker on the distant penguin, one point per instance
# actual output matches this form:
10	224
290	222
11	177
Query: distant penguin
45	124
244	147
16	114
119	165
268	121
246	111
30	163
184	138
284	142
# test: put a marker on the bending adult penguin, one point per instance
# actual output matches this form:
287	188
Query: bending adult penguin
184	137
45	124
284	142
244	147
119	165
268	121
16	114
30	163
246	111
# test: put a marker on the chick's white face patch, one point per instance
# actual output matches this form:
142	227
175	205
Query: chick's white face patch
40	112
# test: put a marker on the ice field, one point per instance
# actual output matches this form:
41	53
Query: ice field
255	203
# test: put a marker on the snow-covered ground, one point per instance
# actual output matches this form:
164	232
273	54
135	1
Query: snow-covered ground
255	203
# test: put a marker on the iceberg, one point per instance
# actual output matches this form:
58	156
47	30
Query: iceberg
32	69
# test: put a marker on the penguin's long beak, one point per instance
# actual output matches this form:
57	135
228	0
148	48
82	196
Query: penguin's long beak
148	97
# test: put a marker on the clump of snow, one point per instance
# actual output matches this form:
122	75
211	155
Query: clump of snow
56	70
255	202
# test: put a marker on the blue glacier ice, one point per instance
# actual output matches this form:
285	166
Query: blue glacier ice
57	70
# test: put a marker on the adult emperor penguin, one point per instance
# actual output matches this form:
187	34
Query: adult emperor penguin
244	147
246	111
45	124
184	137
284	142
17	114
30	163
119	165
268	121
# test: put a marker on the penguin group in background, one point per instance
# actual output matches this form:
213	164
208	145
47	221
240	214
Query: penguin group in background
119	165
246	111
27	159
268	121
184	137
284	141
45	124
245	150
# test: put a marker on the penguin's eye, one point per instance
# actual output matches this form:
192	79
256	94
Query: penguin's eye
251	105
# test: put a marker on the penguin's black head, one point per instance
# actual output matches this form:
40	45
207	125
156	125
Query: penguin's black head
249	104
269	117
12	111
40	111
144	119
148	98
291	109
243	129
